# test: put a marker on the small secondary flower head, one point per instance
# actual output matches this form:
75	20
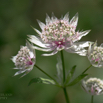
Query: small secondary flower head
93	86
25	59
95	55
58	34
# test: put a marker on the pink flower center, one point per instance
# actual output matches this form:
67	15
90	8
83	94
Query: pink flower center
29	63
97	60
59	43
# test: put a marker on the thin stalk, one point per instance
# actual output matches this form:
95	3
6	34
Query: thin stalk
45	73
86	69
64	88
92	98
66	95
63	66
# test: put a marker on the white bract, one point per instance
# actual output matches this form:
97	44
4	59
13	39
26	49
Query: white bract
95	55
25	59
58	34
93	86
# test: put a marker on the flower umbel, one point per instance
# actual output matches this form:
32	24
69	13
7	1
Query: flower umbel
93	86
57	34
25	59
95	55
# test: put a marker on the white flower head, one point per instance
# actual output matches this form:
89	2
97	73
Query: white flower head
93	86
95	54
58	34
25	59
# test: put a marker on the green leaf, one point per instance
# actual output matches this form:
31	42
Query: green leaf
70	75
73	70
80	77
41	80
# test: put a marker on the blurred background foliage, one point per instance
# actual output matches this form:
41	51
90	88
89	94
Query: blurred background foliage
16	18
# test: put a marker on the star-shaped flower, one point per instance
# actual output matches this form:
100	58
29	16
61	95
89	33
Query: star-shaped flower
58	34
25	59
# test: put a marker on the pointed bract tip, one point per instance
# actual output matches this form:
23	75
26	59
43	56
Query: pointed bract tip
88	31
52	14
95	43
28	44
67	14
77	14
47	16
32	27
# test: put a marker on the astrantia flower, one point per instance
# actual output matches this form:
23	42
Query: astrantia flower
93	86
59	34
95	55
24	60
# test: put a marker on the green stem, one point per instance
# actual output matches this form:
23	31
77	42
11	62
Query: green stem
63	66
45	73
64	88
92	99
66	95
86	69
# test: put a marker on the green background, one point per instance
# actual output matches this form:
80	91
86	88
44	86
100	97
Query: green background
16	18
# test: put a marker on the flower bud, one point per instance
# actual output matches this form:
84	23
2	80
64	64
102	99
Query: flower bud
93	86
95	55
